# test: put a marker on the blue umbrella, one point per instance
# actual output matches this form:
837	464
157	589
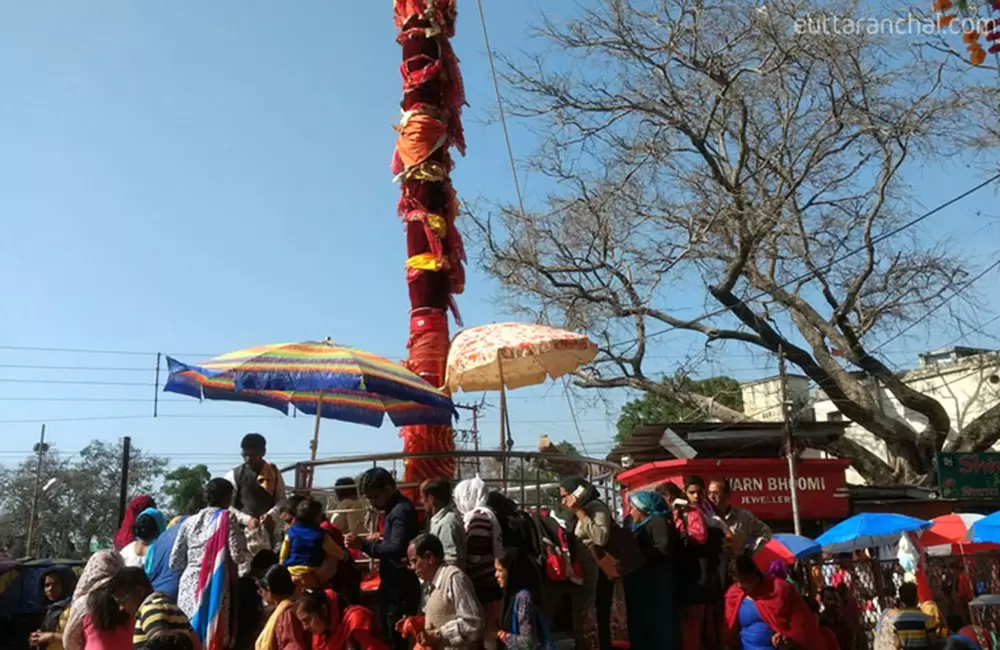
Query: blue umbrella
798	545
867	530
986	529
786	549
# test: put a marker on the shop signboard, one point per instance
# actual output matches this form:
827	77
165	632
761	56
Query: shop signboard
969	474
759	485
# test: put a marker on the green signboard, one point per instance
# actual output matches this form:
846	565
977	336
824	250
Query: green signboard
969	475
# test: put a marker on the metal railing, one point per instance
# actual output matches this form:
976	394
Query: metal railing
531	473
528	473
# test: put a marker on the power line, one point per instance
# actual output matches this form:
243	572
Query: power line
79	382
101	418
503	116
152	367
98	418
838	260
938	306
141	400
32	366
572	414
99	351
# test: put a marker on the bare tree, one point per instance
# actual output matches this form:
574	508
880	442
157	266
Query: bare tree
722	146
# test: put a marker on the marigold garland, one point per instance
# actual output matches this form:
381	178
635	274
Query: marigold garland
948	12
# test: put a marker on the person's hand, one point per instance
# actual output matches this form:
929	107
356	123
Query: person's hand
570	502
352	541
253	523
430	637
374	537
780	642
37	638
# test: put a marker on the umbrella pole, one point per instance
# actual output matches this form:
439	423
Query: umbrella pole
503	424
314	447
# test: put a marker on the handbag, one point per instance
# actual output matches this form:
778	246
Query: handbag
559	564
622	557
544	634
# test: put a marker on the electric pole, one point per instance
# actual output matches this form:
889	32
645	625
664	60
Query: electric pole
123	488
786	416
470	435
40	450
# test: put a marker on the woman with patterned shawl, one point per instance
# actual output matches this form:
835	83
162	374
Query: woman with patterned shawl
100	568
209	547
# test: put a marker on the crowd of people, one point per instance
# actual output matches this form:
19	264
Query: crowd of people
251	567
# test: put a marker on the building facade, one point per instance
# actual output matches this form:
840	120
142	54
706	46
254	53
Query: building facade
966	381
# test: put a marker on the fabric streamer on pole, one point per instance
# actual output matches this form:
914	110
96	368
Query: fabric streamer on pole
431	124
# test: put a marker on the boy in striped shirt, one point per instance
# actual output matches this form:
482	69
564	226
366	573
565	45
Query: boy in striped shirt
159	616
912	626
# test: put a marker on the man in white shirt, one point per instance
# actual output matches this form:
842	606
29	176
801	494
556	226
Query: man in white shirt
259	489
452	616
445	522
351	512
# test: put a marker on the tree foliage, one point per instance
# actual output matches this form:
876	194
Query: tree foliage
81	503
184	485
654	408
711	145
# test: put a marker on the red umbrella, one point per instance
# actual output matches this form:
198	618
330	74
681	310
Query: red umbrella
949	535
786	549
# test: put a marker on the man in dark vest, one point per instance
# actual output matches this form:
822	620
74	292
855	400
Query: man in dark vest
259	490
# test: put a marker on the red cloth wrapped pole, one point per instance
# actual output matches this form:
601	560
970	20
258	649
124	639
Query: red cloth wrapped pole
433	98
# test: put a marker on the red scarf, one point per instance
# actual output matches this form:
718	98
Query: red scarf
124	536
782	608
355	626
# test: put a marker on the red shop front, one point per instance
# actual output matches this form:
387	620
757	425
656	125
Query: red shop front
760	485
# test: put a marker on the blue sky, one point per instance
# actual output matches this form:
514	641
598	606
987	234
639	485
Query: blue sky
195	177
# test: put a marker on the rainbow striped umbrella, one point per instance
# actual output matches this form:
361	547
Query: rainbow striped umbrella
317	378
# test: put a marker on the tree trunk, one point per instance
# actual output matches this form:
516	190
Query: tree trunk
432	103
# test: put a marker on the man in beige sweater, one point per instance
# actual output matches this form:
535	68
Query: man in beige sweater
453	618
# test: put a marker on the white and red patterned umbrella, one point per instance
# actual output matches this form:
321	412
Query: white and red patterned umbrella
949	534
512	355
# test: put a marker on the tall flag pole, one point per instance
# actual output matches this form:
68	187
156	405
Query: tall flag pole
431	124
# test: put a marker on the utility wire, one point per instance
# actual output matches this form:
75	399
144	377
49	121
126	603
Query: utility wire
932	310
875	240
29	366
572	414
503	116
99	351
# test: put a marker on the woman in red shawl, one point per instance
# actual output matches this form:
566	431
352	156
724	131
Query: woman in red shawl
124	536
335	625
765	613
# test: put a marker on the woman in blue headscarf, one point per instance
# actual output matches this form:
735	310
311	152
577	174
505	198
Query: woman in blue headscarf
148	525
653	621
157	565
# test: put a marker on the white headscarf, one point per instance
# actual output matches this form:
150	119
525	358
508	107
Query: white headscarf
100	569
470	498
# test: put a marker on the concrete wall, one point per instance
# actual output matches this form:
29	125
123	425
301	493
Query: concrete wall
965	388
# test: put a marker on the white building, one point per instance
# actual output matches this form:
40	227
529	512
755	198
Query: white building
966	381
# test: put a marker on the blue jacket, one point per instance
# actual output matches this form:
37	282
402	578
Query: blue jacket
306	546
164	579
398	583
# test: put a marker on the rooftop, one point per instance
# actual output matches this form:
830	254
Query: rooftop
723	440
